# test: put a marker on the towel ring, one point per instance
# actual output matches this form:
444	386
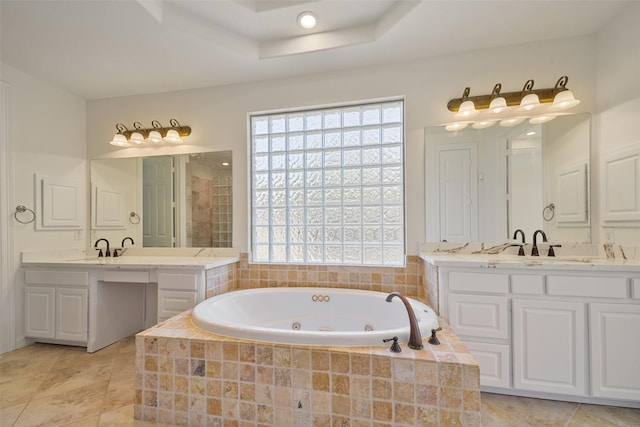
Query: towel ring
22	209
134	218
549	212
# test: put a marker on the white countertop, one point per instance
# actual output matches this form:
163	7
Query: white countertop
508	261
134	258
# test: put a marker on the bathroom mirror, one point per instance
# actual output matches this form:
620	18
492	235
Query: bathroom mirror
483	184
180	200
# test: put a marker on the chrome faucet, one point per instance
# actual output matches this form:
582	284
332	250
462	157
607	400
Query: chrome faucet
415	339
107	252
534	249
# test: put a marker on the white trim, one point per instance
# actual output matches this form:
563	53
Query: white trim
7	297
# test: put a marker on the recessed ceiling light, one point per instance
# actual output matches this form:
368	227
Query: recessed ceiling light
531	133
225	163
307	20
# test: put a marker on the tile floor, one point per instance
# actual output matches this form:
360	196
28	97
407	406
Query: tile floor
52	385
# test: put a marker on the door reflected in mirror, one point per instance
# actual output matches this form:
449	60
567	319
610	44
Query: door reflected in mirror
482	185
181	200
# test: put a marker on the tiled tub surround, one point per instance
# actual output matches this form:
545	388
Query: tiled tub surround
187	376
405	280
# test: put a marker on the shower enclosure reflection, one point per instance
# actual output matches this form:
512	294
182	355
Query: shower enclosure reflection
181	200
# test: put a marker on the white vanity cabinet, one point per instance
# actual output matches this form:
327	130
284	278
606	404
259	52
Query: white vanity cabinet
56	305
96	302
567	333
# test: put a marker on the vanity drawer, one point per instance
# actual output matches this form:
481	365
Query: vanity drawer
182	281
54	277
526	284
579	286
125	276
479	282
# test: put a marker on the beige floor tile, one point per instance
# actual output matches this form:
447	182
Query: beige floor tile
64	408
9	415
119	393
19	390
500	410
70	378
605	416
87	422
123	417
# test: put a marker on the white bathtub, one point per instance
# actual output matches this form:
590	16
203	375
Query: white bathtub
312	316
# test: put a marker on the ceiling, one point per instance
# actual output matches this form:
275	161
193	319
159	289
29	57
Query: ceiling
109	48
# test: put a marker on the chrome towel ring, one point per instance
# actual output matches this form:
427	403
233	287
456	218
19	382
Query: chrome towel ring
20	209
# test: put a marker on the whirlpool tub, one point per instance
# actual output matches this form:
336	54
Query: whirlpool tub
311	316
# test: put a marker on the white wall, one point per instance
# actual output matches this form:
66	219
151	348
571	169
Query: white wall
618	100
48	137
218	115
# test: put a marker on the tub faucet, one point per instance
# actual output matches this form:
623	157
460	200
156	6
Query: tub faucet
415	339
107	252
534	249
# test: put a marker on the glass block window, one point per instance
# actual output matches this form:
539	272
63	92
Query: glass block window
327	186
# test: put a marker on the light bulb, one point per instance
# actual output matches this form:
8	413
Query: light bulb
563	100
456	126
137	138
529	102
467	110
498	105
484	124
511	122
542	119
307	20
119	140
154	137
173	137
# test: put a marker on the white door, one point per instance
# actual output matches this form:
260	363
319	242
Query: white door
549	346
615	350
71	314
39	311
158	201
457	193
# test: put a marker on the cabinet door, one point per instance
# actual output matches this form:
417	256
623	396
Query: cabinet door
71	314
171	303
479	315
494	361
549	346
39	311
615	350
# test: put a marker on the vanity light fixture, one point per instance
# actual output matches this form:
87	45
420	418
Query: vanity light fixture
156	135
307	20
511	108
